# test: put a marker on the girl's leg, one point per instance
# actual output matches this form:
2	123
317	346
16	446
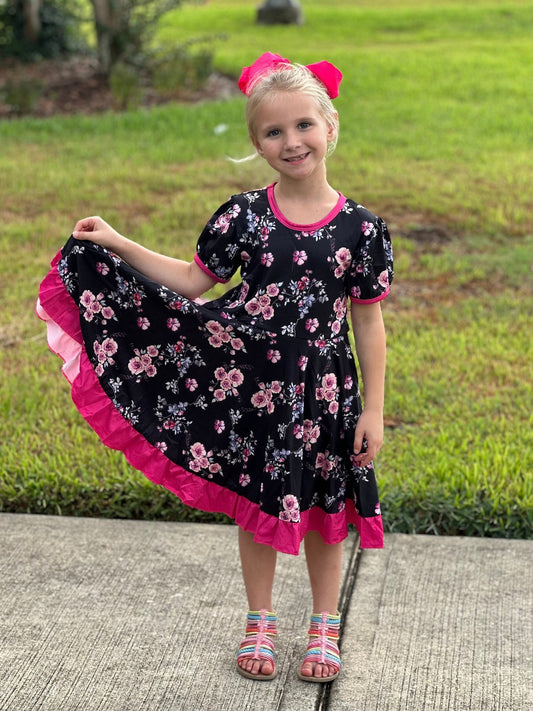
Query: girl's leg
258	564
324	563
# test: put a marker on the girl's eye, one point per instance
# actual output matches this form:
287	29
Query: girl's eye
304	124
274	132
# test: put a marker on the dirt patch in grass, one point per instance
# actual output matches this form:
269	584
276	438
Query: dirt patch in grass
74	85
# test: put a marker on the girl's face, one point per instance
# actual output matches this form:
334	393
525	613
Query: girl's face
292	135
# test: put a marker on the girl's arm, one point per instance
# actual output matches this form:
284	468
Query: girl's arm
185	278
370	345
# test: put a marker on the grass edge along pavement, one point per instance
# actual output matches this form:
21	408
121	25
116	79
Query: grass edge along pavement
458	449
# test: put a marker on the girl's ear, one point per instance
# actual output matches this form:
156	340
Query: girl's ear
256	145
333	128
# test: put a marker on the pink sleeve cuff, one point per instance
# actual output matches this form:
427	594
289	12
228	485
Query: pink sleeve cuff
208	271
370	301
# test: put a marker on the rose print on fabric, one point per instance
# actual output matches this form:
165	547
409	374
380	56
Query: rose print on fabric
329	393
142	363
291	509
227	383
203	459
104	353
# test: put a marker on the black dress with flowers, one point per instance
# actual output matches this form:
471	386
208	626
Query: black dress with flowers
246	405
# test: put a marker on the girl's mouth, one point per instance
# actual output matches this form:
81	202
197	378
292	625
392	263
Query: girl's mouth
295	159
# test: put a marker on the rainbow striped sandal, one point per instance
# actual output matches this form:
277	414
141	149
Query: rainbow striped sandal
322	647
257	643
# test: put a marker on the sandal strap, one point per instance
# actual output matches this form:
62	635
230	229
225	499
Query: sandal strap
322	647
257	642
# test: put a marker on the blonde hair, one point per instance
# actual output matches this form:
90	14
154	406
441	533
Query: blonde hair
291	77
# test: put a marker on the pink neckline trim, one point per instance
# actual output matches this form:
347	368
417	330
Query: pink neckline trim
303	228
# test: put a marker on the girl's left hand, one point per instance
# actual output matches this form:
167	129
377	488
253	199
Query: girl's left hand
368	437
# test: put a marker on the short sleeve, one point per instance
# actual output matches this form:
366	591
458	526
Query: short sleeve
371	270
218	251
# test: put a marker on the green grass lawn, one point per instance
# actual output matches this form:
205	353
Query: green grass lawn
436	136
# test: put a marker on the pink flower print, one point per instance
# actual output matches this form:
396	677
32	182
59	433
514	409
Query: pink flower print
311	324
244	479
253	307
275	386
377	509
348	382
215	341
223	221
324	463
267	258
152	351
273	356
355	292
383	279
219	395
343	258
191	384
299	257
336	327
219	426
236	377
137	298
220	373
302	362
291	507
237	344
245	256
311	434
225	383
268	312
143	323
259	399
161	446
87	298
340	308
298	431
264	301
329	381
150	370
272	290
135	365
366	228
107	312
109	346
333	407
102	268
146	360
214	468
173	324
198	450
99	370
214	327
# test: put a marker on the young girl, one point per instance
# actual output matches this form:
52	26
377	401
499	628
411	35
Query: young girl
247	405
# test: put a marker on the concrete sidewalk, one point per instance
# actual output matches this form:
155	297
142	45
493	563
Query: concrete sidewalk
146	616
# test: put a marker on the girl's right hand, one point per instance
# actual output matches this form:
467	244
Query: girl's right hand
96	230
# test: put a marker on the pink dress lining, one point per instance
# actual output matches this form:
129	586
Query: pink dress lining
313	227
57	308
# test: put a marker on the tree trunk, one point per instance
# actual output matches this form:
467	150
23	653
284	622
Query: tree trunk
32	20
110	18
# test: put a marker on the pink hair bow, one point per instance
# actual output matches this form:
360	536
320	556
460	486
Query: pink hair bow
326	72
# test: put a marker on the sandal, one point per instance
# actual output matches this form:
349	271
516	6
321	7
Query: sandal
257	643
322	647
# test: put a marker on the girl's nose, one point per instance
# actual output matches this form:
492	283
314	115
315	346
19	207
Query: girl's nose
292	139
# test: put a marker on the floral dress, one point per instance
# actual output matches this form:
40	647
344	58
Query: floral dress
245	405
